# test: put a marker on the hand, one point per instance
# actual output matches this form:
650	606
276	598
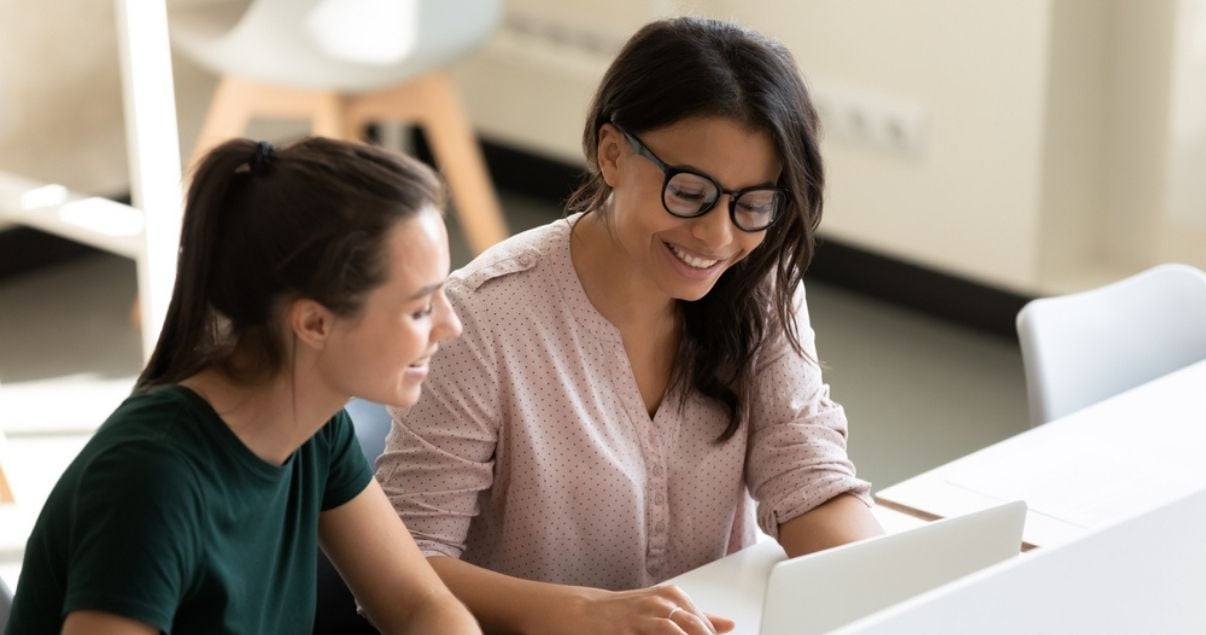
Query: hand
653	611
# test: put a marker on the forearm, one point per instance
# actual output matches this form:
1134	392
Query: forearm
506	604
414	603
386	572
838	521
440	613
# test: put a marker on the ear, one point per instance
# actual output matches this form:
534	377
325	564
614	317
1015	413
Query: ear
310	322
610	148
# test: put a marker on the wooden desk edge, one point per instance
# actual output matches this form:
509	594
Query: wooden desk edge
905	509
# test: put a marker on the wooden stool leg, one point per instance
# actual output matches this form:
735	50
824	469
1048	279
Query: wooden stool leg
432	102
237	101
456	150
6	493
330	118
228	116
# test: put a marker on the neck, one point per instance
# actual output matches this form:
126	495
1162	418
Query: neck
618	291
273	417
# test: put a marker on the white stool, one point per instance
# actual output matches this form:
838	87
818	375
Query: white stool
342	64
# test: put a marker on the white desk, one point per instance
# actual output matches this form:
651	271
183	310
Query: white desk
733	586
1113	460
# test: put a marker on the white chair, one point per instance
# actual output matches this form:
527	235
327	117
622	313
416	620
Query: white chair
1082	348
342	64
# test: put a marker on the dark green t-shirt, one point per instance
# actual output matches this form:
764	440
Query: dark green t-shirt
167	518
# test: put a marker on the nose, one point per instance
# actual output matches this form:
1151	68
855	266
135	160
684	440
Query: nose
715	229
447	324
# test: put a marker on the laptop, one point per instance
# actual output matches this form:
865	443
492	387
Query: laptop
825	590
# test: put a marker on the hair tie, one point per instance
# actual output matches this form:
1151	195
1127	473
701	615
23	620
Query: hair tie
263	156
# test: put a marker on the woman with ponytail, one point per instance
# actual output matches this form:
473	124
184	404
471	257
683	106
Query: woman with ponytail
306	276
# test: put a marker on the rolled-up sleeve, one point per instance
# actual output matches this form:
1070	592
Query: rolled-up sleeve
439	454
796	458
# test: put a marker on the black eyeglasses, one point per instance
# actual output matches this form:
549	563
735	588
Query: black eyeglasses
688	193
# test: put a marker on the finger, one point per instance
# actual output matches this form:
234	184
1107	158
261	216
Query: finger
691	623
671	628
681	599
721	624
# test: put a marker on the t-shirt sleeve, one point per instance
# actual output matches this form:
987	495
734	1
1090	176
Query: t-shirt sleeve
797	452
349	472
134	536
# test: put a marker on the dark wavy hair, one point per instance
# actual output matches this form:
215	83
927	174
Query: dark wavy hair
262	227
688	67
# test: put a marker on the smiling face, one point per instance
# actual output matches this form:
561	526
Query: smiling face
381	354
684	257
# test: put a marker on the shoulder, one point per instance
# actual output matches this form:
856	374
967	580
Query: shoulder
151	411
529	251
154	470
149	445
136	488
148	433
776	341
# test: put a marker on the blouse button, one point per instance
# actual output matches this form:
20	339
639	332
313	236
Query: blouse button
657	470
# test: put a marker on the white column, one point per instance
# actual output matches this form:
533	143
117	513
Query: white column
154	152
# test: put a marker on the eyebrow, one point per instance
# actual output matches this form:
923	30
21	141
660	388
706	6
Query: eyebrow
426	291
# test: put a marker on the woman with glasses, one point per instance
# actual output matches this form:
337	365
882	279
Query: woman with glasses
637	390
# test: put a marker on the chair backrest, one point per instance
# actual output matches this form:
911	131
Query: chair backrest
346	45
1082	348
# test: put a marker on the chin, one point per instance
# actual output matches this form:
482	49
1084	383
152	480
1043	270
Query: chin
412	393
691	293
407	399
402	396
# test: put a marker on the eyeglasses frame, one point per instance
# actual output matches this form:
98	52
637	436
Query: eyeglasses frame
670	171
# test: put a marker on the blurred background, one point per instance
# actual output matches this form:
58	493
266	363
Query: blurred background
979	154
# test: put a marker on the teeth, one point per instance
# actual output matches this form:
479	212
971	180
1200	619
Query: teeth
692	261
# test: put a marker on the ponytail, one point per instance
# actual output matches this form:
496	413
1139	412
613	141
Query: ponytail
187	329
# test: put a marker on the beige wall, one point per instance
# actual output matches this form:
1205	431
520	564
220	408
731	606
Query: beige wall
1054	155
60	102
969	201
1113	180
1051	139
61	116
1183	231
1075	150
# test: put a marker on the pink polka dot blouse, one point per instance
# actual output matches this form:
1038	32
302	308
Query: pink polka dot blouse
531	452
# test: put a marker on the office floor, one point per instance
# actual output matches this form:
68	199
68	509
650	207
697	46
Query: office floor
918	392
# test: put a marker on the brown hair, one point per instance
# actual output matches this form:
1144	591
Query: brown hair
262	227
686	67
